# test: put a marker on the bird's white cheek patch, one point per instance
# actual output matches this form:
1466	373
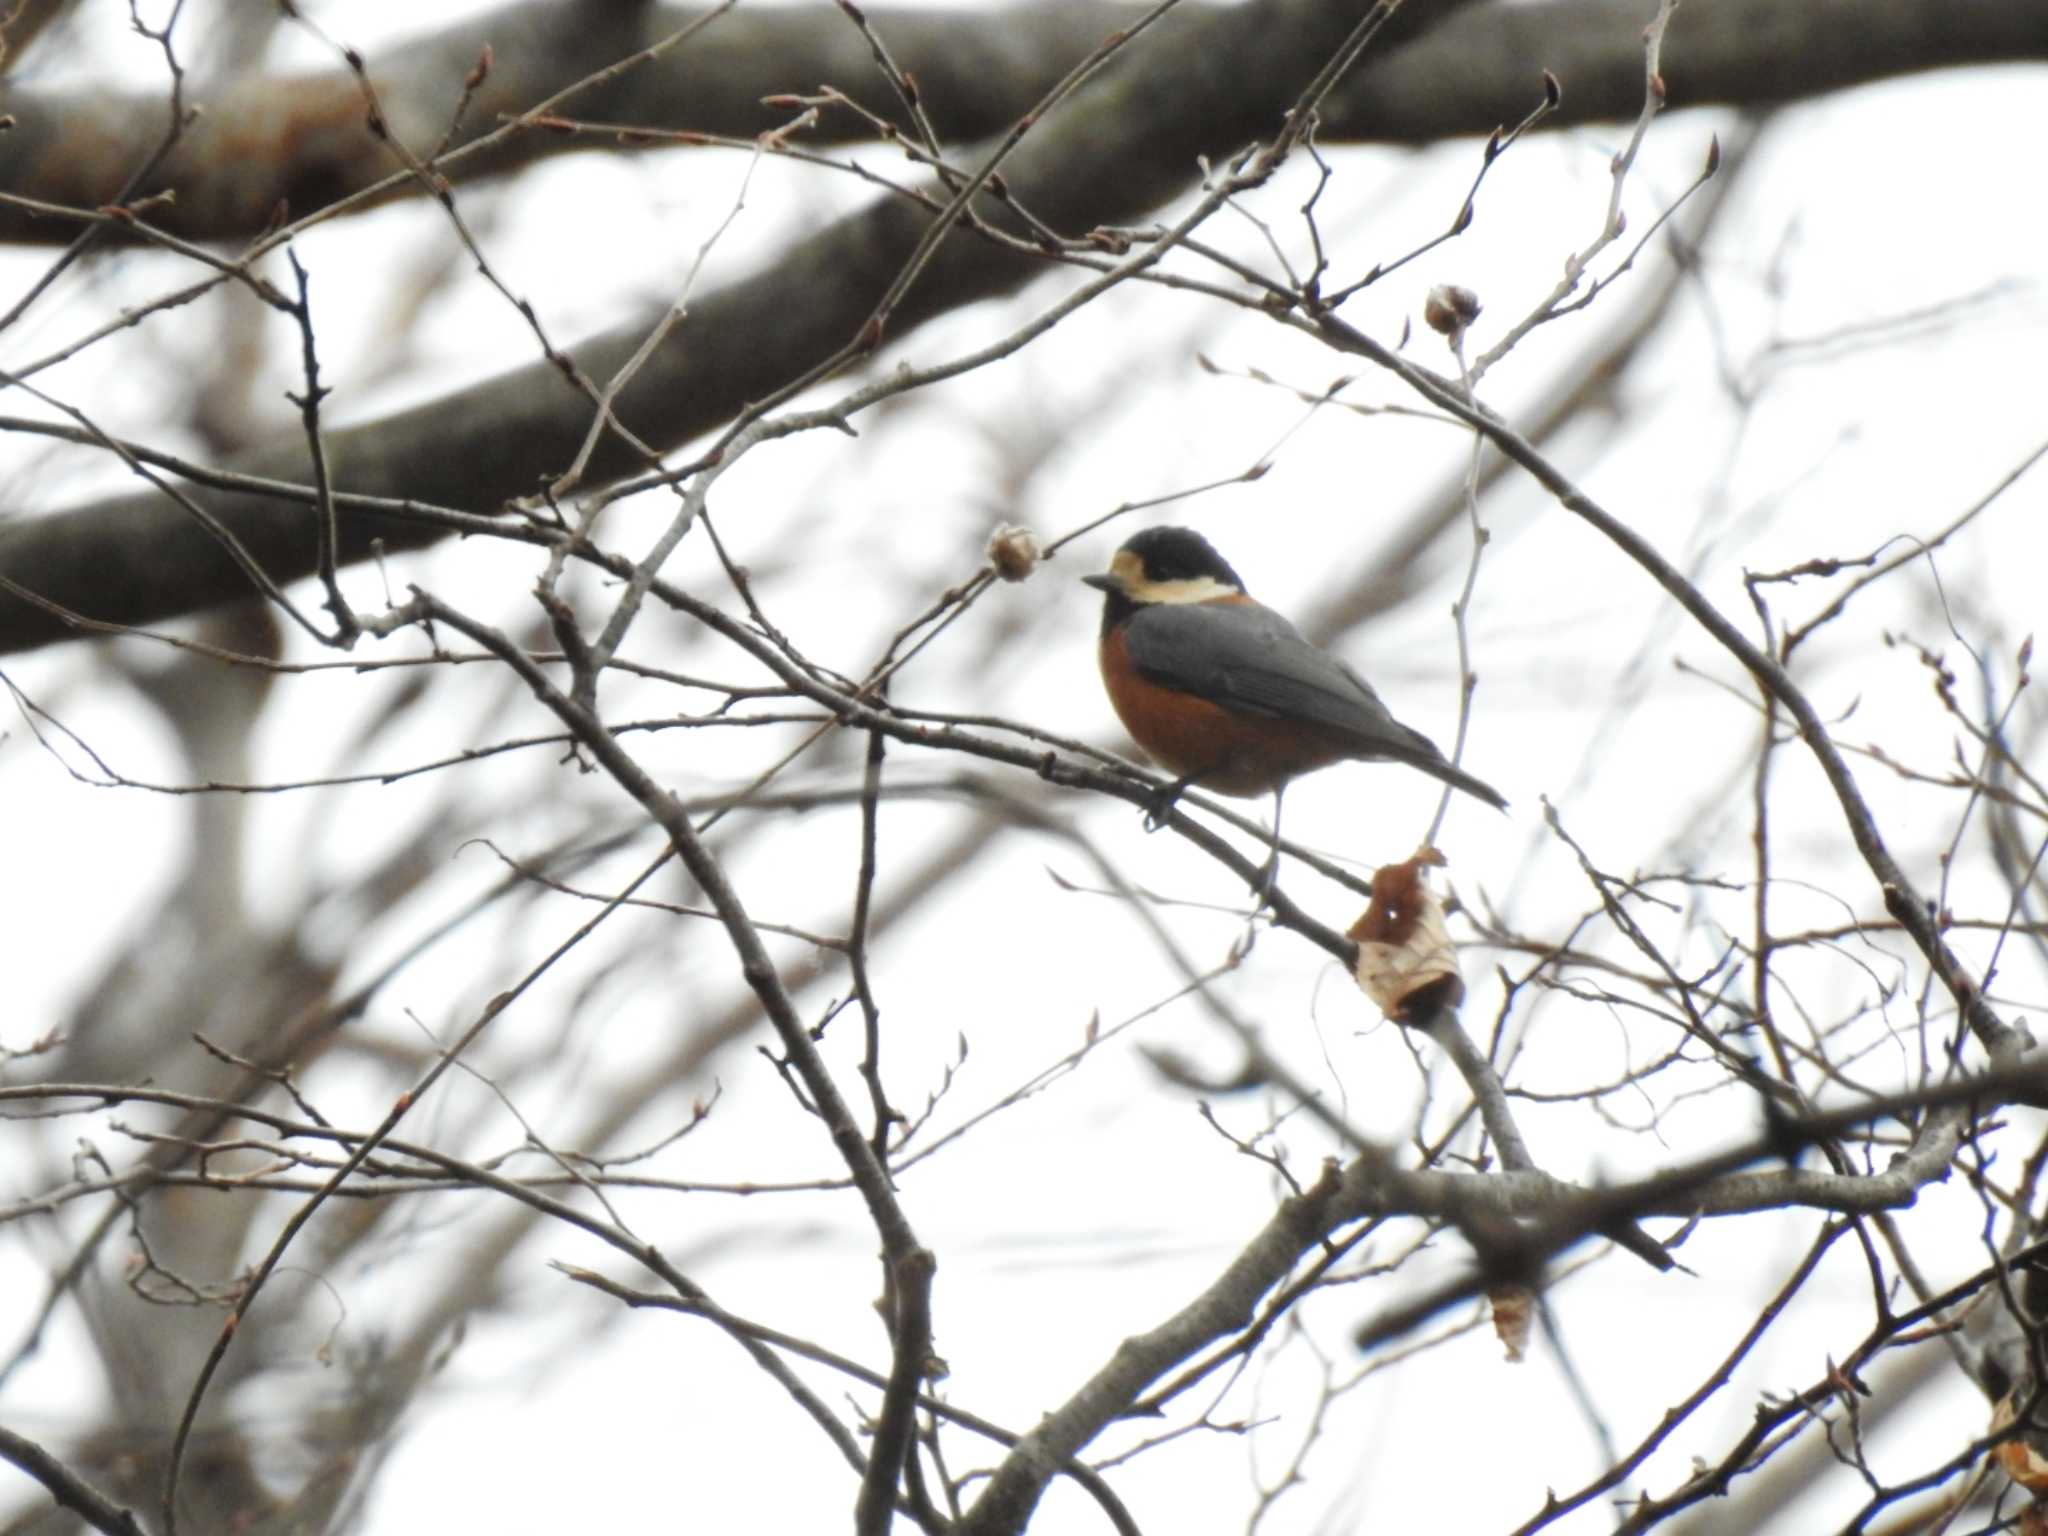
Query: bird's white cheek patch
1192	589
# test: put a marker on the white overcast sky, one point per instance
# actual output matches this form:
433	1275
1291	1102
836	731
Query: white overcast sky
1090	1211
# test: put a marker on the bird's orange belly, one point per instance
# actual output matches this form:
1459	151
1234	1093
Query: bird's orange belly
1213	747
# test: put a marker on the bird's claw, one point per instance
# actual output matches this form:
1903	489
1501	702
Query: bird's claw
1267	881
1159	804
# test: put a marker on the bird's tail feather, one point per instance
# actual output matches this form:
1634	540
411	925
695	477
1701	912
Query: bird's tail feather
1458	778
1418	751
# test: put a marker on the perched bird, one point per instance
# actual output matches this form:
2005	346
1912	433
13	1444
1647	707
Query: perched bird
1224	693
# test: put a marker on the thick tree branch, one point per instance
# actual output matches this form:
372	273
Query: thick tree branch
1478	70
302	141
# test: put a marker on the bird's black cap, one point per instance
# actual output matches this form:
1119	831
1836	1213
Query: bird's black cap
1179	554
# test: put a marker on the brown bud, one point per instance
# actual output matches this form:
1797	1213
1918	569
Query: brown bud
1449	309
1013	551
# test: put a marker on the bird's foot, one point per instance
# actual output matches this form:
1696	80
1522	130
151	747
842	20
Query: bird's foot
1267	880
1160	803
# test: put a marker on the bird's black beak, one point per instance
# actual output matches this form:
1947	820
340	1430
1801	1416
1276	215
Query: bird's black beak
1103	583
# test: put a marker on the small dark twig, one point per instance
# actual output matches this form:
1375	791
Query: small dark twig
346	626
857	949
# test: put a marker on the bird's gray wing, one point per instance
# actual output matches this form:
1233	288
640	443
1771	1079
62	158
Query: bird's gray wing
1251	659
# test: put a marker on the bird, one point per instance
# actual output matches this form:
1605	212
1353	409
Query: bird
1226	694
